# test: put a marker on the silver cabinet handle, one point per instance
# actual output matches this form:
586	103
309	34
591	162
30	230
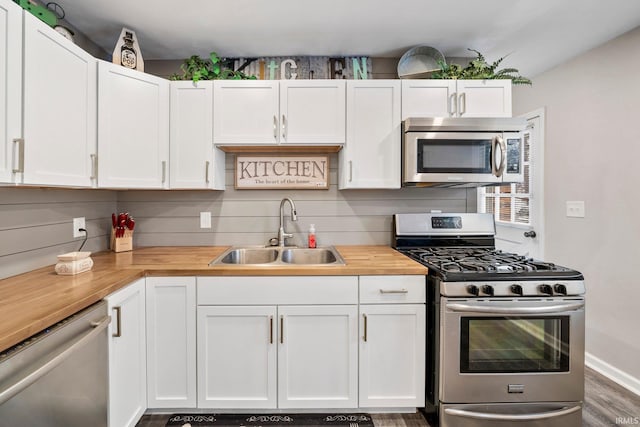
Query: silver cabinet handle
350	171
118	332
394	291
15	388
20	143
164	171
94	166
281	329
284	127
511	417
498	141
275	127
462	104
364	319
206	171
453	105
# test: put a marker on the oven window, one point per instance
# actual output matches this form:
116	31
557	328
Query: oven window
514	344
454	156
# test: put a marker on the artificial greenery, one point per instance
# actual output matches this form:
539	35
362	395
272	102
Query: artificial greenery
215	68
478	68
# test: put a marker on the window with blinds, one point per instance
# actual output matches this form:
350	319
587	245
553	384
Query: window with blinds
510	203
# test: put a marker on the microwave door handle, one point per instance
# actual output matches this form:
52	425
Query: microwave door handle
498	141
512	417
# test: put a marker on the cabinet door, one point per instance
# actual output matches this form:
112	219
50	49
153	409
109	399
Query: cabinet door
312	111
10	88
371	156
237	357
127	356
133	128
484	98
245	112
59	109
392	355
195	163
428	98
318	357
171	342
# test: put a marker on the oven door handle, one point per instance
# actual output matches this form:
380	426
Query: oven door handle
546	309
512	417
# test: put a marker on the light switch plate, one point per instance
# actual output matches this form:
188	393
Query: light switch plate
78	223
205	219
575	209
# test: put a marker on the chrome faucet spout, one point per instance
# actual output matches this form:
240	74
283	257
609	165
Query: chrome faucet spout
283	235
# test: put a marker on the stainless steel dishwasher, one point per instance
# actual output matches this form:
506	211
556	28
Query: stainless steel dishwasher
58	377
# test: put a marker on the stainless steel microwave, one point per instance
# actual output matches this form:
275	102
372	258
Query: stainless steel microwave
462	152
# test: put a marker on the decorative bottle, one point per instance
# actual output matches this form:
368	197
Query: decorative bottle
128	57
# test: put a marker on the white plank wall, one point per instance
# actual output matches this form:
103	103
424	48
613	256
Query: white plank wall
252	216
36	225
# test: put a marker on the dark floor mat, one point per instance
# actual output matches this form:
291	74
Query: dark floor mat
252	420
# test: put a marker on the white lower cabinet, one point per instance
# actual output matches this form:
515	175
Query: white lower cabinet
171	342
127	355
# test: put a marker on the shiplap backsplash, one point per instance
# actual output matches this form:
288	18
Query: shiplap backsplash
36	224
252	216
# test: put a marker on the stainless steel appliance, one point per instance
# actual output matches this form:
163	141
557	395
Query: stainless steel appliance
462	152
505	332
59	377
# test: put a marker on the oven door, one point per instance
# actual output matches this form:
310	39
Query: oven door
454	157
511	350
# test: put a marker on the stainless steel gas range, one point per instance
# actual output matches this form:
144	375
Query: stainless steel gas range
505	334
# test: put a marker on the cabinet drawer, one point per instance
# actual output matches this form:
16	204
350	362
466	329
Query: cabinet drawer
262	290
392	289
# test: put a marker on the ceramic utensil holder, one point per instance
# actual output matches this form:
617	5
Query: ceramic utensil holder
122	244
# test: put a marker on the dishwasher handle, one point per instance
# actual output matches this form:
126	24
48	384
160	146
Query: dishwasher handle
15	388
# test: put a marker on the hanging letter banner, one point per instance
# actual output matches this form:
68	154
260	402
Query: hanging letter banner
282	172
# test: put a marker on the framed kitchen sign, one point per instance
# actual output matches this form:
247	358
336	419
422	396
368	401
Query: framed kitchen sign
269	172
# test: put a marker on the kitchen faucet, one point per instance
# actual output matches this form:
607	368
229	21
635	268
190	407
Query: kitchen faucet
283	235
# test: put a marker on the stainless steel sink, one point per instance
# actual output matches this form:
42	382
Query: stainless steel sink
268	256
308	256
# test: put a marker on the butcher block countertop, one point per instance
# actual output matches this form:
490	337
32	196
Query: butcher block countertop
36	300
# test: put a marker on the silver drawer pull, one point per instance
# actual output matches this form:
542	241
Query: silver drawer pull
394	291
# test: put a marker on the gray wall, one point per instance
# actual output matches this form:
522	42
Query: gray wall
36	225
592	153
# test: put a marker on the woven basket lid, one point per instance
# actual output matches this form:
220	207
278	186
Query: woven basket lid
419	62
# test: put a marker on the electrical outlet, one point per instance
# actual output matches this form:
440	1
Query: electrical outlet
78	223
575	209
205	219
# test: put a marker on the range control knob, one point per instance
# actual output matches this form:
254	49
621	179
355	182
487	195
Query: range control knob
516	289
473	290
487	289
560	288
546	289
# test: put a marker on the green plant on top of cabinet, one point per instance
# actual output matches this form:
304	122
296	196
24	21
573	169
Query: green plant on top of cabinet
59	121
456	98
303	112
10	90
371	155
127	355
195	162
133	128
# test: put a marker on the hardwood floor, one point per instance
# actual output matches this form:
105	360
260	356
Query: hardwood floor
606	404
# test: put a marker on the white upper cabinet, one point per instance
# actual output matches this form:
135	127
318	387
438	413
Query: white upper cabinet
195	163
253	112
59	109
133	128
371	156
10	89
456	98
312	112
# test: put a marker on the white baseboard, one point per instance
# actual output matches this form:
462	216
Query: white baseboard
614	374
